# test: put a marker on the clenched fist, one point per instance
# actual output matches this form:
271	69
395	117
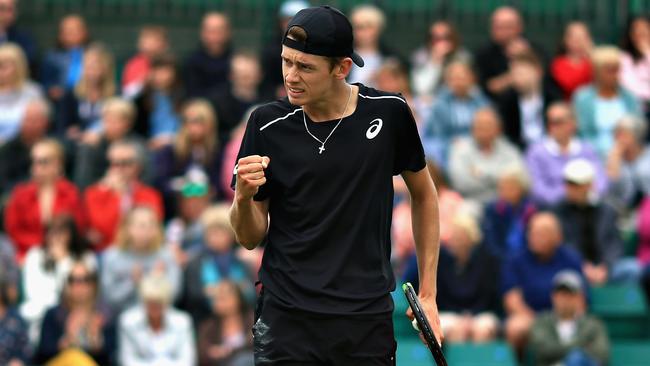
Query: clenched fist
250	176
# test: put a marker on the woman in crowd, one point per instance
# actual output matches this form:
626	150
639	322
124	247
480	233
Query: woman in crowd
47	267
16	89
635	62
78	331
14	345
224	338
571	68
138	251
33	204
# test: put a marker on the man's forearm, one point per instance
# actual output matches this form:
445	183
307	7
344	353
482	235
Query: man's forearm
426	232
248	222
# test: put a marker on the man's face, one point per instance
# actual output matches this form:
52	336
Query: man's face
245	73
577	193
307	78
543	235
215	31
7	13
566	304
72	32
561	123
486	128
35	122
459	79
123	162
506	26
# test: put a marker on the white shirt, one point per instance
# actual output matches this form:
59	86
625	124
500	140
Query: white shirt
608	112
566	330
532	118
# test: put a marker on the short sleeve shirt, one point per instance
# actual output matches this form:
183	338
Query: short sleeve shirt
328	246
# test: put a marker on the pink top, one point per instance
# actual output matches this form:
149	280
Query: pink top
635	77
643	251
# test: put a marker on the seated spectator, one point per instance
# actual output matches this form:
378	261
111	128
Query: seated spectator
527	276
452	112
546	159
108	200
368	23
13	33
33	204
217	262
506	41
635	61
233	99
158	105
506	219
153	333
152	43
208	67
15	153
392	77
138	251
224	338
78	331
600	104
9	270
524	104
628	163
571	68
475	162
429	61
590	227
81	107
449	201
47	267
643	228
196	146
16	90
184	233
567	335
62	66
14	345
467	284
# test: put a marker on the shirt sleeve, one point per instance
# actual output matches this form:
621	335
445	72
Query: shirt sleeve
409	154
252	144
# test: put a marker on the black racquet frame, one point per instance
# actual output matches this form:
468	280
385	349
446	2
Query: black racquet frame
423	324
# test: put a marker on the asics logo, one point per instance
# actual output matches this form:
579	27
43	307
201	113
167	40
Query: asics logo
375	127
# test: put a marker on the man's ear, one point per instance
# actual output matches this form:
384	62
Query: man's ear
343	68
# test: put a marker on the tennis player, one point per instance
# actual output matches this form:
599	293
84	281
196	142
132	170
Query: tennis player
313	183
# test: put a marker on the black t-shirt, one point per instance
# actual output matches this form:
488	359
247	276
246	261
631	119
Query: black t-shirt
328	246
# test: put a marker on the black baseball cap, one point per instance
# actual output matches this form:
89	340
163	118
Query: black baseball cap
329	33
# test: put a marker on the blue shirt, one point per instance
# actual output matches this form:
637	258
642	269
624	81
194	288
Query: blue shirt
13	338
533	277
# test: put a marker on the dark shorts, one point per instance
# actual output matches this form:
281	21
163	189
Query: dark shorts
283	336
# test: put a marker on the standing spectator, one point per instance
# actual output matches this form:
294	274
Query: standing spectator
232	100
137	252
14	345
108	200
368	22
635	62
546	159
628	163
528	276
599	105
81	107
428	62
15	154
506	41
196	145
476	161
453	111
224	338
571	68
506	219
16	89
153	333
467	284
62	66
208	67
152	43
215	263
10	33
47	267
158	105
568	335
78	331
524	104
590	227
34	204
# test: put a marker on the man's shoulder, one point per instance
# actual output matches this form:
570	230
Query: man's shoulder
380	96
272	112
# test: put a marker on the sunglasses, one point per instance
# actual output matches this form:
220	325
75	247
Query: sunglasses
42	161
80	279
122	163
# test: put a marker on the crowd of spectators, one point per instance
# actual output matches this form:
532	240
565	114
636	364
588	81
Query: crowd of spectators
115	246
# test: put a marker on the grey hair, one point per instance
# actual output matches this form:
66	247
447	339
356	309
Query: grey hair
44	106
131	144
635	124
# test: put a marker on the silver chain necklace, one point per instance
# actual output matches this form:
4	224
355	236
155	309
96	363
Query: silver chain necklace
322	143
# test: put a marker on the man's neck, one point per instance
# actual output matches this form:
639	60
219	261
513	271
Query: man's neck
332	106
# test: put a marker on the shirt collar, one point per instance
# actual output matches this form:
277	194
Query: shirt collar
554	148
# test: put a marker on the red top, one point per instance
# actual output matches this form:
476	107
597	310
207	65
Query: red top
104	208
571	75
23	220
135	70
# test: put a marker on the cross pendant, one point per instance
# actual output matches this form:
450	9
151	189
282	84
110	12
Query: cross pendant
321	149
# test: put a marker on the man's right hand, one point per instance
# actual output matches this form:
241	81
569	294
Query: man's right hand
250	176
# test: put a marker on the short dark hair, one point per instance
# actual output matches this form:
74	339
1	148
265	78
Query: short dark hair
298	34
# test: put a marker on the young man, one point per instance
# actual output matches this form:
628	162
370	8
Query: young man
314	183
